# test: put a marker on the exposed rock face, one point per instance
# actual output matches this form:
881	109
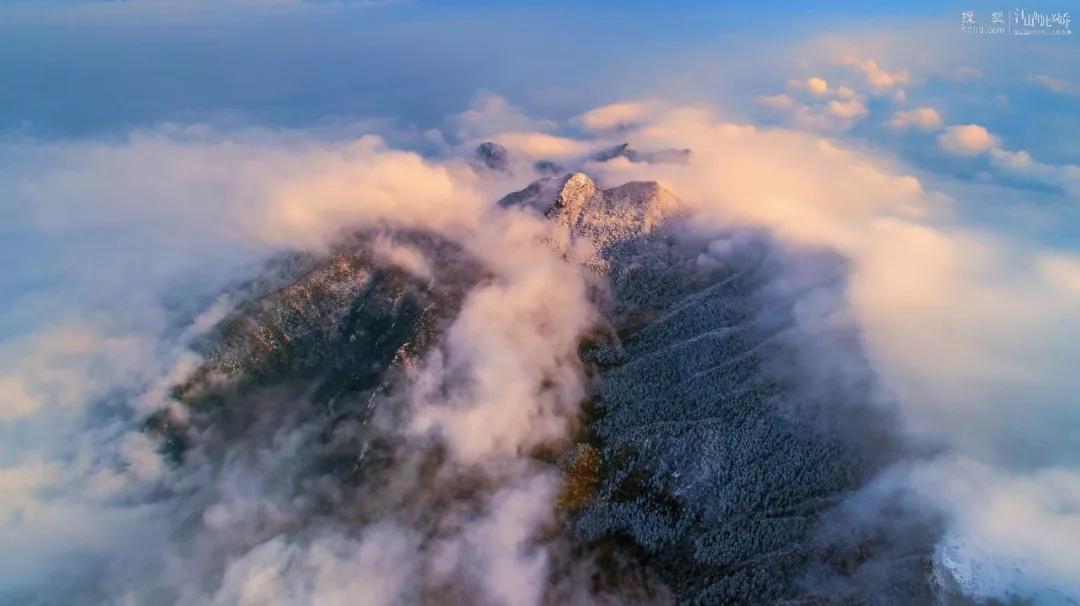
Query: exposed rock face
547	167
493	156
603	217
608	216
624	150
668	156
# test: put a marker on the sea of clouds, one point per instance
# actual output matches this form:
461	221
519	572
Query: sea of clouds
126	247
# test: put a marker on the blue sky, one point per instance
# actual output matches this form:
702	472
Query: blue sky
135	63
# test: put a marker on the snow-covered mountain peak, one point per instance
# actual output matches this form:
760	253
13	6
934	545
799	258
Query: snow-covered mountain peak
604	216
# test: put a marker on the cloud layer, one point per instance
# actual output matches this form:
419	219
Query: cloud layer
972	328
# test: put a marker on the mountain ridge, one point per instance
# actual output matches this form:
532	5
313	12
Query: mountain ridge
707	458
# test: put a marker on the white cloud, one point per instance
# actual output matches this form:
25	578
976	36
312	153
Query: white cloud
848	110
923	118
1011	159
490	114
15	399
57	371
615	116
1057	85
974	140
1011	533
331	570
542	145
1063	271
845	92
967	140
777	101
966	73
832	116
403	256
877	77
817	86
515	335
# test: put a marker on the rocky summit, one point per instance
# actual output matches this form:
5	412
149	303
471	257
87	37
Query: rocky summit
603	218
